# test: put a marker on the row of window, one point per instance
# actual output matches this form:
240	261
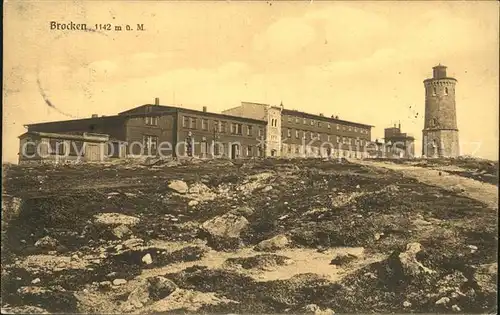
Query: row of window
317	136
300	149
434	91
220	126
329	126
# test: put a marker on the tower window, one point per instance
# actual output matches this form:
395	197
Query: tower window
434	92
445	91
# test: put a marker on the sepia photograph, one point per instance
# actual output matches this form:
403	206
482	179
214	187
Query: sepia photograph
250	157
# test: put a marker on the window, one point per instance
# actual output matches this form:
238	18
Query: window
303	135
236	129
222	126
434	92
312	122
152	121
193	123
355	129
289	118
319	124
296	120
338	139
445	91
311	136
304	121
289	134
204	124
328	125
328	137
350	128
185	122
344	140
338	127
296	134
345	128
297	149
216	126
249	130
57	147
319	136
30	147
150	144
289	149
260	132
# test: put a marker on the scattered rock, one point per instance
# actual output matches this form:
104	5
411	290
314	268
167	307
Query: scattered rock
262	262
486	278
35	281
178	186
47	242
105	284
193	203
75	257
343	259
228	225
377	236
121	231
315	309
147	259
118	282
443	300
406	304
160	287
243	211
139	296
455	308
187	300
409	262
274	243
267	188
115	219
24	309
54	299
133	243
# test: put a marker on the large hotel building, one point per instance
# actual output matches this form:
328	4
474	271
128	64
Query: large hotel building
248	130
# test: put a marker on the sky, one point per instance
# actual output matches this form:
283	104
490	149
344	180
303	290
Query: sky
362	61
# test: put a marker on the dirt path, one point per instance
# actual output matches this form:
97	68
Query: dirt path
471	188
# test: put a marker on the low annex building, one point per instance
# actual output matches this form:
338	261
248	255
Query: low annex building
247	131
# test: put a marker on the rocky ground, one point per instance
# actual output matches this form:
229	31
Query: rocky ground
266	236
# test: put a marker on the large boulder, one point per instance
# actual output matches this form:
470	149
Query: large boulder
121	231
150	290
223	232
178	186
274	243
47	243
409	263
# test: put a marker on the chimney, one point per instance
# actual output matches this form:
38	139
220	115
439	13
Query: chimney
157	101
321	115
95	115
399	126
336	117
204	109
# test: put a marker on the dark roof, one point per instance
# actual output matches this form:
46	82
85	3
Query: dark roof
117	117
85	136
170	109
318	117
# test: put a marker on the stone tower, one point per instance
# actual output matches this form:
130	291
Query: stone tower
440	134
